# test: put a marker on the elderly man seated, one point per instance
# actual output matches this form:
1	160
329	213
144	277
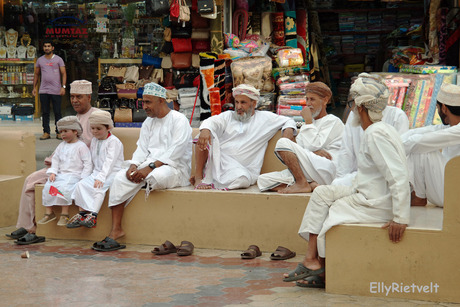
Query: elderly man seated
380	192
430	148
232	144
161	161
312	160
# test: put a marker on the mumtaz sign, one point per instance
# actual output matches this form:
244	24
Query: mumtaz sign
66	27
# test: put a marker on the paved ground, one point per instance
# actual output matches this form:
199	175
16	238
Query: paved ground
69	273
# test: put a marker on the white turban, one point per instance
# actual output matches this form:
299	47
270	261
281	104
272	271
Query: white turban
100	117
247	90
81	87
154	89
449	95
370	91
70	123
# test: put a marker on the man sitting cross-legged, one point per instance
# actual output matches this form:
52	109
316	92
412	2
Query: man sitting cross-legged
312	160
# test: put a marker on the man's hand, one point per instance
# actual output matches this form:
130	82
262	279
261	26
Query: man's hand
288	133
130	172
323	153
395	230
52	177
204	140
306	115
98	184
34	92
62	91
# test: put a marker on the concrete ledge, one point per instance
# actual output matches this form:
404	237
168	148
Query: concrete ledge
210	219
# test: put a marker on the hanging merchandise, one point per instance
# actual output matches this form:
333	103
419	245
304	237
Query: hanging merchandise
184	12
181	60
301	15
290	29
174	10
240	23
217	39
255	71
278	28
206	6
157	8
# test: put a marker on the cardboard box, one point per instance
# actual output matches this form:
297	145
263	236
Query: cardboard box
23	118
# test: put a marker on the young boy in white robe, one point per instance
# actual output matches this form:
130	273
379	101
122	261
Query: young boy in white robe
71	162
107	156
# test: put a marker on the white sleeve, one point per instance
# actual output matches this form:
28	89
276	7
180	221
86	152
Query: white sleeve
430	138
85	155
112	151
314	138
346	158
217	123
54	169
181	139
142	151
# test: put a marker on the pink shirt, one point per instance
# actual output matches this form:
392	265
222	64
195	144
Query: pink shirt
86	136
50	80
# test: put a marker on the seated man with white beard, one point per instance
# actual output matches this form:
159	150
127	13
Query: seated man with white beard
230	149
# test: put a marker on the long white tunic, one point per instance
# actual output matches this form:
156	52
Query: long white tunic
428	150
107	157
71	162
380	190
324	133
167	139
237	151
351	140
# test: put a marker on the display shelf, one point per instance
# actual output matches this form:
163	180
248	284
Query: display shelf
121	62
13	72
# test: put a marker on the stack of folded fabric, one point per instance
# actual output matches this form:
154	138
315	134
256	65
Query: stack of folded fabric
292	96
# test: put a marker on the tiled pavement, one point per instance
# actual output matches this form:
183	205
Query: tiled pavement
69	273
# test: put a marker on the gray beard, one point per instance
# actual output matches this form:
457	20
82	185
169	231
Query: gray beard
242	118
356	121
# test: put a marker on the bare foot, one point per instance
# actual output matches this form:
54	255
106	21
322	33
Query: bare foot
313	185
203	186
312	264
192	180
417	201
296	188
116	234
278	188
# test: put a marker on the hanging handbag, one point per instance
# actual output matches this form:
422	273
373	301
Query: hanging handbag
157	8
148	60
123	114
184	79
166	63
167	47
184	12
168	79
181	60
139	114
201	46
145	72
117	72
182	44
174	9
178	31
205	6
212	15
196	60
167	35
157	76
127	90
132	74
199	22
200	34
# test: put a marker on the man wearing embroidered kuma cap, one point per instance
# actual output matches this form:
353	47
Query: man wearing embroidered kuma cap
232	144
162	160
80	98
380	192
429	149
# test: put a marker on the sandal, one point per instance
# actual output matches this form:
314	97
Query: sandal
252	252
165	249
185	248
48	217
29	238
313	282
282	253
107	245
302	272
18	233
63	220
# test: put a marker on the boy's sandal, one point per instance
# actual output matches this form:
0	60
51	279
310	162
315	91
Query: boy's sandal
18	233
164	249
29	238
185	248
48	217
252	252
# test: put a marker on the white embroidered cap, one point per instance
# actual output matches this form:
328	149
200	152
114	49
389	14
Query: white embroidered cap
154	89
81	87
449	95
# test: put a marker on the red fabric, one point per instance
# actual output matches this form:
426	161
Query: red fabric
174	9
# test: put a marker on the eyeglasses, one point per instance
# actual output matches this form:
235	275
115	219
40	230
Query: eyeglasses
350	103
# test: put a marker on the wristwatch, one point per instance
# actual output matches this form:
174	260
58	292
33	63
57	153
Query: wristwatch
152	166
63	86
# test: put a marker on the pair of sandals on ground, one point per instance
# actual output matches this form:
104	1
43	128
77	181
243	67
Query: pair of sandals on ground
23	237
185	249
281	253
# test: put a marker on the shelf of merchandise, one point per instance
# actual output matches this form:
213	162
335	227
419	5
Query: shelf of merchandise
16	100
123	62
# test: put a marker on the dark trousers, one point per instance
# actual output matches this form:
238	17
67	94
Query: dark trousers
46	100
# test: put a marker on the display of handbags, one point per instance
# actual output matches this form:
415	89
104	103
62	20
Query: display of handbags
116	71
139	114
182	44
206	6
181	60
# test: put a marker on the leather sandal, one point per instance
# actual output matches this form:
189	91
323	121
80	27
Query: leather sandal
185	248
252	252
164	249
282	253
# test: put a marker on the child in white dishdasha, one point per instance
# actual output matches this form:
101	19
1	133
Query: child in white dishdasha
107	156
71	162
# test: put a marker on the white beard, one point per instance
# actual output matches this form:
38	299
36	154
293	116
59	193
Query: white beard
356	121
243	118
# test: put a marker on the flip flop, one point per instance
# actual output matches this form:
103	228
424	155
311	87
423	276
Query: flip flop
313	282
107	245
165	248
252	252
302	272
18	233
29	238
282	253
185	248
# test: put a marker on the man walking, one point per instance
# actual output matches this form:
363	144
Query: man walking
50	69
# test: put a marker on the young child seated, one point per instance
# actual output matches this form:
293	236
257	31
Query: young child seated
70	163
107	156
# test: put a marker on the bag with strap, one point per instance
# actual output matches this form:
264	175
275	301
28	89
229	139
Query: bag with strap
184	79
184	12
166	63
174	9
148	60
132	74
205	6
123	114
167	35
181	60
168	79
182	44
139	114
117	72
145	72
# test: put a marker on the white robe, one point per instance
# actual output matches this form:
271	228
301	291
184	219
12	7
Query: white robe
380	190
167	139
71	162
351	139
324	133
107	157
238	148
428	150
